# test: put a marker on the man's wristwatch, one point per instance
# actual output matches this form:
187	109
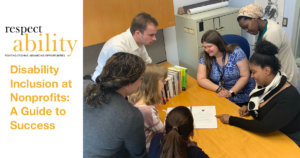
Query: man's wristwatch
232	93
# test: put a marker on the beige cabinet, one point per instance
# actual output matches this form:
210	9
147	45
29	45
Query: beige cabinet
190	28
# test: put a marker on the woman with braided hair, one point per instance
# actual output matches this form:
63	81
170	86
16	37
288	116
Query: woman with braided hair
112	127
176	141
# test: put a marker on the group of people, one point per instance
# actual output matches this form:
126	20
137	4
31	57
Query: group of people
272	99
120	118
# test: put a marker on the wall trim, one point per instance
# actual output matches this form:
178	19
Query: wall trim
296	28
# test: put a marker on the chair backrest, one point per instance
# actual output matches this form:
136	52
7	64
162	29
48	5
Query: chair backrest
241	41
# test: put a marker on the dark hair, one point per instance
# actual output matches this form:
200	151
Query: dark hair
179	125
214	37
140	22
264	55
243	17
120	70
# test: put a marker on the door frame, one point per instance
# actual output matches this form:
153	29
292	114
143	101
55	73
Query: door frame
296	31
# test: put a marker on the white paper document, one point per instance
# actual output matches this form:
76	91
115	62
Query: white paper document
204	116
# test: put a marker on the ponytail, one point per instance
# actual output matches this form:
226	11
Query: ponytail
179	126
174	145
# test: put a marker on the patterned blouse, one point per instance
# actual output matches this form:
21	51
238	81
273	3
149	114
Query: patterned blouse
152	123
231	75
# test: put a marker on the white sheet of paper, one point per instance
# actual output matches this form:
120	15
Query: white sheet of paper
204	116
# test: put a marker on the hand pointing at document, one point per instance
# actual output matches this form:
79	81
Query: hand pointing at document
224	118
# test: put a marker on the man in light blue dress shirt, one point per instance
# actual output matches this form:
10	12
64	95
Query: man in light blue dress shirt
141	32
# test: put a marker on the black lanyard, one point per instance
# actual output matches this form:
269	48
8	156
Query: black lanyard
221	80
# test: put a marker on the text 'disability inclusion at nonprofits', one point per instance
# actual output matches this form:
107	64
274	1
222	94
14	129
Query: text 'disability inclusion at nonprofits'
35	100
38	92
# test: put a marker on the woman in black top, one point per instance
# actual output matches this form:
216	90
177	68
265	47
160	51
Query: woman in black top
274	103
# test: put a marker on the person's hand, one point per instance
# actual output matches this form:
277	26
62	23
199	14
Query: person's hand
224	118
224	93
243	111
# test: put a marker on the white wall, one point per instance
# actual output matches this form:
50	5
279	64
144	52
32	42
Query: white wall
170	33
171	45
289	10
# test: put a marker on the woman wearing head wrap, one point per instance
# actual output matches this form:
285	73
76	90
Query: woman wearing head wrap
250	19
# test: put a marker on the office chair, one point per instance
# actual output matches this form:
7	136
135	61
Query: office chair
241	41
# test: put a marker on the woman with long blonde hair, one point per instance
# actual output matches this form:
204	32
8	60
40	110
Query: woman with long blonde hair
148	96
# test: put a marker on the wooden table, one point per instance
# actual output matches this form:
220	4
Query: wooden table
229	141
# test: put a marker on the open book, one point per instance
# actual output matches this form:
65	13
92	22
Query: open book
204	116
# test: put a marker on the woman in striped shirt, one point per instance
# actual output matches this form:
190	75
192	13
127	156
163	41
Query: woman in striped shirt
148	96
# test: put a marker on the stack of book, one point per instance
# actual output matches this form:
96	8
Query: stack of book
175	82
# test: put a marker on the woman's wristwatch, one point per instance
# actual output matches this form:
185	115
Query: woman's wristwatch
232	93
219	89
